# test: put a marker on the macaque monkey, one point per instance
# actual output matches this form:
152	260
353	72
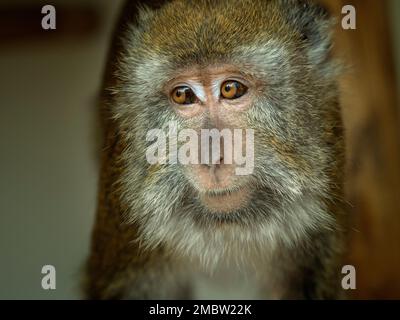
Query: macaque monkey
164	230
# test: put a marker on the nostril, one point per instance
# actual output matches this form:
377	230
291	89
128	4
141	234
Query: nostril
216	159
214	162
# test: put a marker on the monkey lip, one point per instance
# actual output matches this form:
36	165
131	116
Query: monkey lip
225	200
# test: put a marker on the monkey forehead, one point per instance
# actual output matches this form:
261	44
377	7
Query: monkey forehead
203	30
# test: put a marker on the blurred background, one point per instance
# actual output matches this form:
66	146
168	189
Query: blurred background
49	141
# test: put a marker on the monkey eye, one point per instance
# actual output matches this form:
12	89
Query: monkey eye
183	95
233	89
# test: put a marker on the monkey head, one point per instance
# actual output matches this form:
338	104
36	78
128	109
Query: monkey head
253	66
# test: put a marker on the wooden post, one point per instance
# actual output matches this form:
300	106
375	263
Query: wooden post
370	110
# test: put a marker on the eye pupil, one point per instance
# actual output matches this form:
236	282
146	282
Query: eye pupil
183	95
232	90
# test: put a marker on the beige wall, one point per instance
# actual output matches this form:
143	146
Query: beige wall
48	162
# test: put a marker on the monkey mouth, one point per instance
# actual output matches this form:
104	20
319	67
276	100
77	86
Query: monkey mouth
225	200
217	192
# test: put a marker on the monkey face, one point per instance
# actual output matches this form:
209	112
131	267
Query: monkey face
228	65
212	101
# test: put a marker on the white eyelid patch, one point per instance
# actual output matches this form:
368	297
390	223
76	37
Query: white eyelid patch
198	90
216	88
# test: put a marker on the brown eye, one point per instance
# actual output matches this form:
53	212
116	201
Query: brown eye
232	89
183	95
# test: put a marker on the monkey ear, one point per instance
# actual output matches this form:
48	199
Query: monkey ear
314	23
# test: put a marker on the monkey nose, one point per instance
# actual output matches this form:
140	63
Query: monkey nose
215	162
